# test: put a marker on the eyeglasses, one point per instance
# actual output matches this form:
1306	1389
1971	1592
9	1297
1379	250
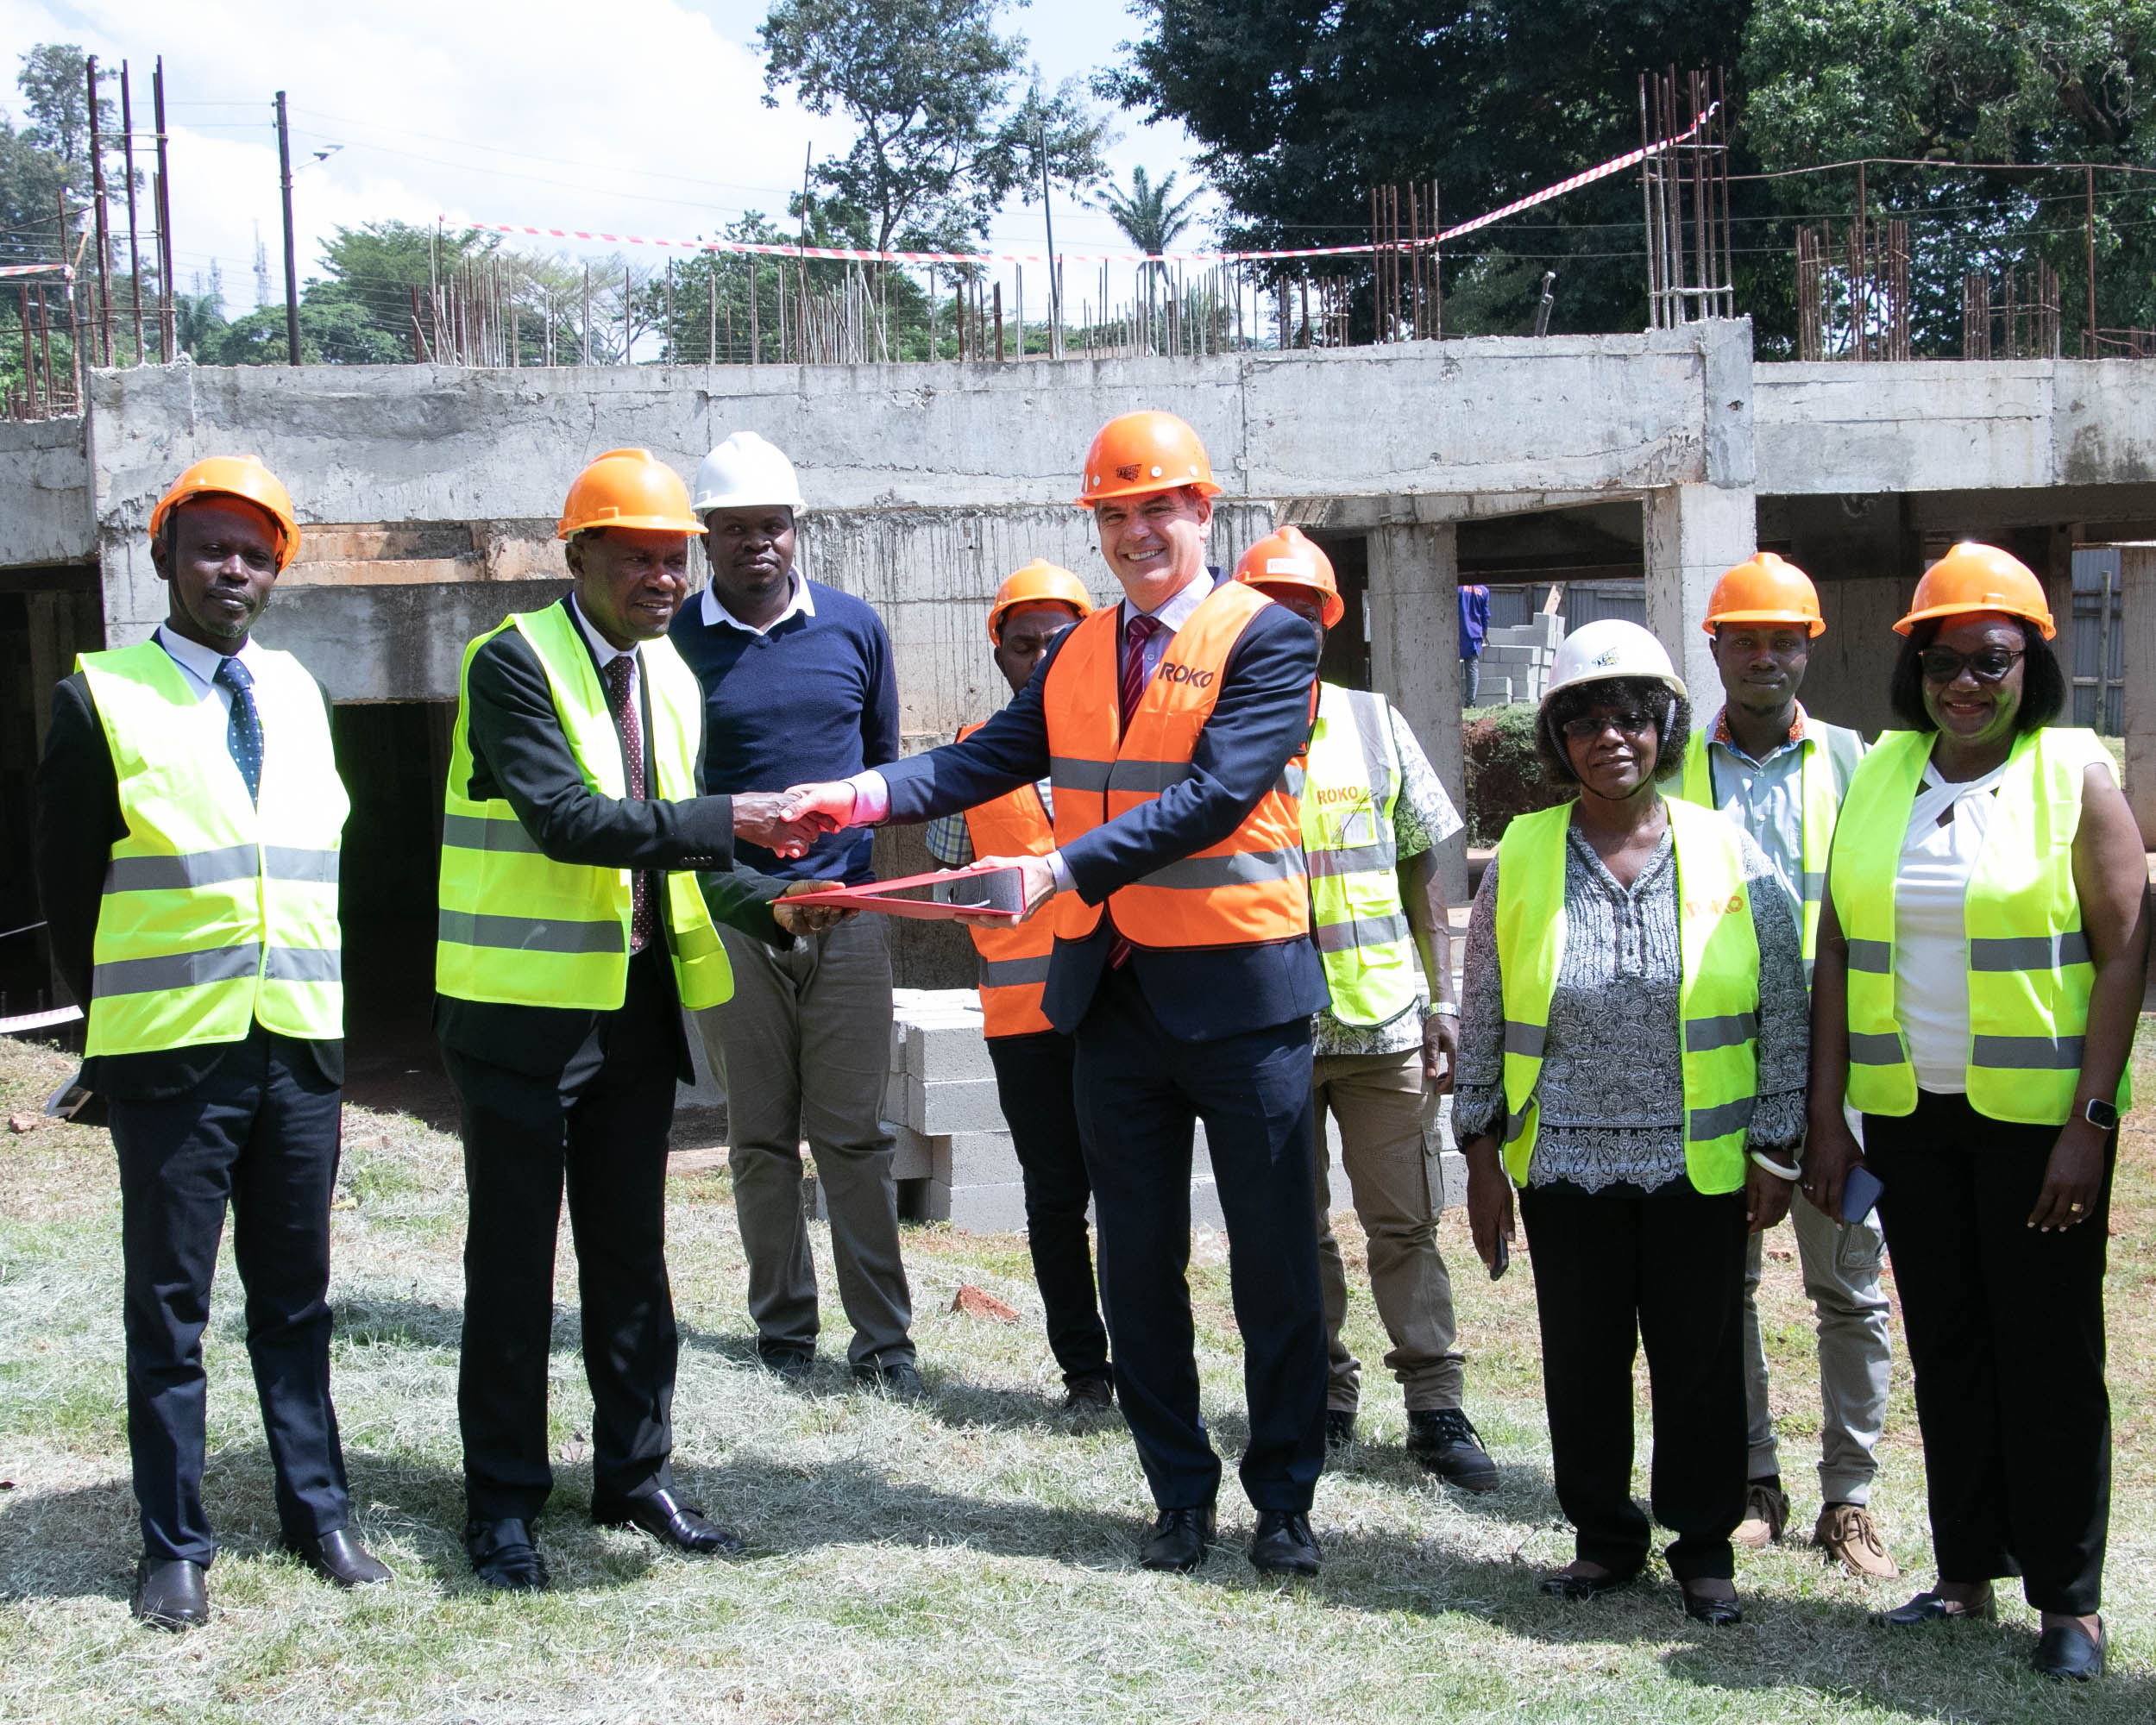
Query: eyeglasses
1987	664
1631	726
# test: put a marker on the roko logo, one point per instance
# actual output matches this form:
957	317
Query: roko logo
1171	672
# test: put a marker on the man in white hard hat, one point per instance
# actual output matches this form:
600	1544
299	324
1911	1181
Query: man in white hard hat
798	685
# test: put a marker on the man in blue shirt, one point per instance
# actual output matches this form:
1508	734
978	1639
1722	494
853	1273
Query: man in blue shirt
798	684
1474	623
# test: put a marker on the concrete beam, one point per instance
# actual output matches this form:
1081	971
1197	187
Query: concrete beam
1694	533
374	643
1415	655
48	518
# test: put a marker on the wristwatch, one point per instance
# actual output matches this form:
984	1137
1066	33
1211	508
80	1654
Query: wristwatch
2101	1114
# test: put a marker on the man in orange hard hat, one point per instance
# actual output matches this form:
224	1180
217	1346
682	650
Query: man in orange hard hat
583	872
1780	773
1374	814
1172	726
189	822
1033	1059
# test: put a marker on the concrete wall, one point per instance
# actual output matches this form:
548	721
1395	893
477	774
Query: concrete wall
45	512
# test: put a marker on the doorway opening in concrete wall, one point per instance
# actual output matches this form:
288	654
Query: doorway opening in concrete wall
394	757
1590	557
1345	660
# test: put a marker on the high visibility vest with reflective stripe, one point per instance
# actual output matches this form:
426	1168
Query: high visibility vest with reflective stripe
219	910
1357	920
2029	971
1014	961
1820	805
1718	989
1245	890
520	929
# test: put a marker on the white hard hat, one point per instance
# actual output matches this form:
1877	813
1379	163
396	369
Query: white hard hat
1610	647
745	473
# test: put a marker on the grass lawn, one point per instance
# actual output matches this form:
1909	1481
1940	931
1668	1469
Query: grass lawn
970	1559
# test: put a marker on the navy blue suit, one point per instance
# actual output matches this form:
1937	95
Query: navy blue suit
1178	1035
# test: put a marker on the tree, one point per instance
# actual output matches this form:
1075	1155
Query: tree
55	84
941	139
1151	217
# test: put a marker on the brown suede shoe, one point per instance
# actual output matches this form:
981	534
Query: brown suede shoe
1849	1536
1766	1514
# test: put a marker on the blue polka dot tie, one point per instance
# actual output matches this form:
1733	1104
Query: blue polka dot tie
243	732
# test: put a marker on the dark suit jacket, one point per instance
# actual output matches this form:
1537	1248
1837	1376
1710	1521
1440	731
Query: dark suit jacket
1260	720
77	821
520	753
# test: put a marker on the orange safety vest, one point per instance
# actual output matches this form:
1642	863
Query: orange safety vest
1014	961
1247	889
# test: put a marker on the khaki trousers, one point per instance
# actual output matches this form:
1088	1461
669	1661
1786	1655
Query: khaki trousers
1378	1100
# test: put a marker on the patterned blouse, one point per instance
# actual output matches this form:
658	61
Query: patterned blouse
1611	1090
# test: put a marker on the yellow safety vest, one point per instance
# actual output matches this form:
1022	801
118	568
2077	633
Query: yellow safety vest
220	910
1718	990
1820	805
1350	788
2028	966
517	927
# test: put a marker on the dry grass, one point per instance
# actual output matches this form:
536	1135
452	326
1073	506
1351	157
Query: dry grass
968	1560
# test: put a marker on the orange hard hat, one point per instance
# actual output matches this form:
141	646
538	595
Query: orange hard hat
1765	589
1140	453
1288	559
1039	580
1973	577
245	478
628	488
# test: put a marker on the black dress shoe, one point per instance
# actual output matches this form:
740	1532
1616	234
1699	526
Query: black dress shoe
1566	1584
1444	1441
669	1521
2069	1654
505	1555
899	1380
170	1593
338	1557
1340	1427
1706	1608
791	1365
1930	1607
1091	1393
1281	1544
1178	1539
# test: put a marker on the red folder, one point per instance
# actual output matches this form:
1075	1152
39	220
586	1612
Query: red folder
995	896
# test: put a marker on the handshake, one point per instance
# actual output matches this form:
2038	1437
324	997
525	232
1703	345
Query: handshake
788	821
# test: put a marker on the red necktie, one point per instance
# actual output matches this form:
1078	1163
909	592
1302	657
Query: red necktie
619	673
1136	633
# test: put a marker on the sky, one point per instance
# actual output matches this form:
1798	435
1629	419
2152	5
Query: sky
523	113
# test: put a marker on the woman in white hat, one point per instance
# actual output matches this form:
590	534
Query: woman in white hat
1632	1055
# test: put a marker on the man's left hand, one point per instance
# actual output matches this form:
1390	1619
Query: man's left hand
807	918
1034	873
1441	1047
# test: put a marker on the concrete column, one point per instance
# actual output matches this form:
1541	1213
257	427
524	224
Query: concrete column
1415	653
2138	566
1692	533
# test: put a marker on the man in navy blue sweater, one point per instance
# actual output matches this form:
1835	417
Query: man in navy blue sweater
798	684
1172	726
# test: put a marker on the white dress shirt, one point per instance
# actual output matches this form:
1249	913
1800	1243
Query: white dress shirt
607	652
802	604
199	664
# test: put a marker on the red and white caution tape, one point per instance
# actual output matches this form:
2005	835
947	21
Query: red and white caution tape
37	269
850	255
58	1015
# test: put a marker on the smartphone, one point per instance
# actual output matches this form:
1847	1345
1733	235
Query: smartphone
1860	1195
1503	1260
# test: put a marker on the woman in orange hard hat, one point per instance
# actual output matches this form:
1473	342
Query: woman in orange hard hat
1982	953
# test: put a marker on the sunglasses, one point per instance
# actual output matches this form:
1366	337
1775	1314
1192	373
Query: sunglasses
1631	726
1986	664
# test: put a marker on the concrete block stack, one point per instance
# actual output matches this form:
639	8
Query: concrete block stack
1521	656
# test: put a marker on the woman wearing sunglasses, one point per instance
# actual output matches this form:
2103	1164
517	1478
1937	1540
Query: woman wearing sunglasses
1982	954
1632	1059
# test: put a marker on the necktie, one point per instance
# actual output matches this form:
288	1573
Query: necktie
1137	632
618	674
243	729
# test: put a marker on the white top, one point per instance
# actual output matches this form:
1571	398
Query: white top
199	664
803	604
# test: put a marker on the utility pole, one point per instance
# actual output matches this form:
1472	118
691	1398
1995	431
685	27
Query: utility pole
291	266
1055	275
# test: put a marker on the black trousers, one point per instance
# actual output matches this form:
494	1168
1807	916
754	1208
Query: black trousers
1033	1082
1614	1269
2006	1340
600	1130
1140	1092
260	1132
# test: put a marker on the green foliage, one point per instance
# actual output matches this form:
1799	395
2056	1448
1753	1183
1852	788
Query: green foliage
1151	217
55	85
1505	774
332	331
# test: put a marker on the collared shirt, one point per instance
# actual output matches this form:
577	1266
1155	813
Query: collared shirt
1766	797
802	604
951	843
605	651
199	663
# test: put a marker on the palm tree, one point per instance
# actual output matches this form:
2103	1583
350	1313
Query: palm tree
1152	218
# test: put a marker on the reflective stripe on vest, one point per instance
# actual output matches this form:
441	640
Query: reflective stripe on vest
1245	890
1820	807
1014	961
1718	989
219	910
517	927
2029	971
1357	920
